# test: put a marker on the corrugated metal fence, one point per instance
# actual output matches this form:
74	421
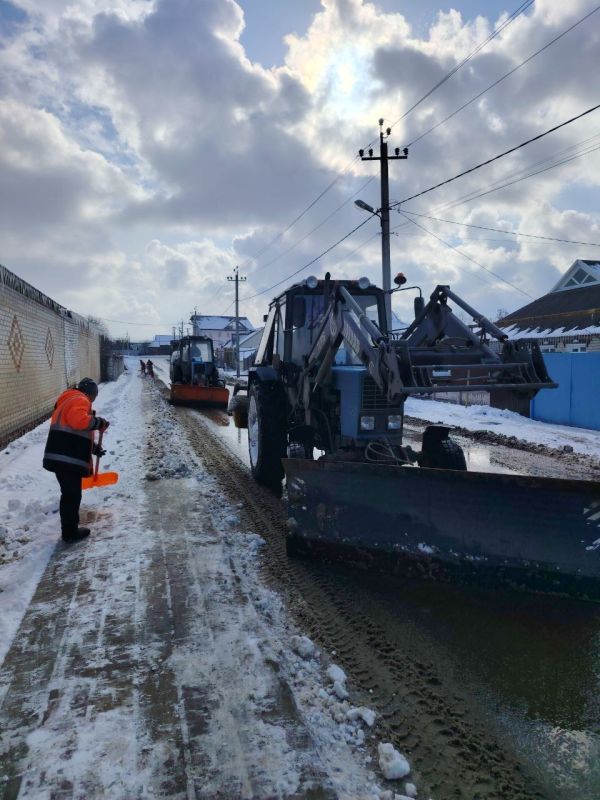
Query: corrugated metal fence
577	399
44	348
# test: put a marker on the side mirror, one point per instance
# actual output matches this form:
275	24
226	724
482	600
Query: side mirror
298	312
419	305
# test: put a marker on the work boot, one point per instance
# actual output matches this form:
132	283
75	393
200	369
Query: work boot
76	536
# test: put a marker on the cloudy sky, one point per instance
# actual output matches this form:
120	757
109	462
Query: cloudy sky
149	146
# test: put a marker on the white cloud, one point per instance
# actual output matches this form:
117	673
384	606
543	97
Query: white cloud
139	143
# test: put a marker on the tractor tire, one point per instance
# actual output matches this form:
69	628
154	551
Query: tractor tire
267	434
446	454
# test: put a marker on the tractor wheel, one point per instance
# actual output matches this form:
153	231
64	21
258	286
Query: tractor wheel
445	454
266	434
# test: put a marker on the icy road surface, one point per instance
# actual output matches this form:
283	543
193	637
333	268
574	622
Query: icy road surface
150	660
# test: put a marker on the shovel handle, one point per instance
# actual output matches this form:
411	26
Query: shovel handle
98	457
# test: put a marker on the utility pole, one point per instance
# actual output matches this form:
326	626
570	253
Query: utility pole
236	277
383	158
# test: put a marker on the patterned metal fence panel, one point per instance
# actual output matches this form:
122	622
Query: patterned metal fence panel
43	350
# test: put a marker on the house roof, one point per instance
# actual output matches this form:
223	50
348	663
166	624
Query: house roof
219	323
559	312
582	272
252	339
248	341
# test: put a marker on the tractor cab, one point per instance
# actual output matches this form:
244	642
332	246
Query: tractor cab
296	318
194	375
197	360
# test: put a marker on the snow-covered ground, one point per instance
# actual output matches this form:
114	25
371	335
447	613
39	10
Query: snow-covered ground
507	423
30	527
254	647
229	645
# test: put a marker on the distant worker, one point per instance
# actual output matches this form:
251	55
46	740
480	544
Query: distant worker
69	451
142	367
150	368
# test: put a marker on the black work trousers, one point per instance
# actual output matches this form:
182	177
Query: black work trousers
70	500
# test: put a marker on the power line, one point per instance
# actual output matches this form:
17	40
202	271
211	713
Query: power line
517	177
496	158
520	10
398	203
468	257
306	235
500	230
299	217
520	174
502	78
523	177
312	261
316	228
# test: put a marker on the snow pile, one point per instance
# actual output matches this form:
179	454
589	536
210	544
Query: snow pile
164	458
506	423
303	646
392	763
338	677
367	715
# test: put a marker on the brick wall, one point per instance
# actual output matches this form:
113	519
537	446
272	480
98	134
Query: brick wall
44	348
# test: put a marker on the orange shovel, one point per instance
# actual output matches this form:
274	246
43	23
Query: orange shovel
102	478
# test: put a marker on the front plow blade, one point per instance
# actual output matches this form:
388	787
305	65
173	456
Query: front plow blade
184	394
541	534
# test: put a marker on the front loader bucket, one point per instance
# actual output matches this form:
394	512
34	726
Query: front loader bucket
541	534
184	394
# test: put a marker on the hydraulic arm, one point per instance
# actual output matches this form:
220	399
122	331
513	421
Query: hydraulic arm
437	352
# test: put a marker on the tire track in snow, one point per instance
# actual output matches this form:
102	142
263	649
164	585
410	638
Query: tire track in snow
425	713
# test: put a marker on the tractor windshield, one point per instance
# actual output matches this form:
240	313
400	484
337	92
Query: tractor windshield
313	307
201	351
345	355
304	334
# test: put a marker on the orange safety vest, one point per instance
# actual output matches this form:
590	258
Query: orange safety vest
71	436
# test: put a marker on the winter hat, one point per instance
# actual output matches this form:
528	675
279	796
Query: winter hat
89	387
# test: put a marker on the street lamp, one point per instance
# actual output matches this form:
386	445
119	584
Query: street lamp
365	207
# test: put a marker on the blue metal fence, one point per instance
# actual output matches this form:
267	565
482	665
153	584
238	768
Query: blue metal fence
577	399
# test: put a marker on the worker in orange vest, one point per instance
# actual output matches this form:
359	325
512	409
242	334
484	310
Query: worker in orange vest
69	451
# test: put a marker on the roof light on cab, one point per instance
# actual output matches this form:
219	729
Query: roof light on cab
364	283
312	282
